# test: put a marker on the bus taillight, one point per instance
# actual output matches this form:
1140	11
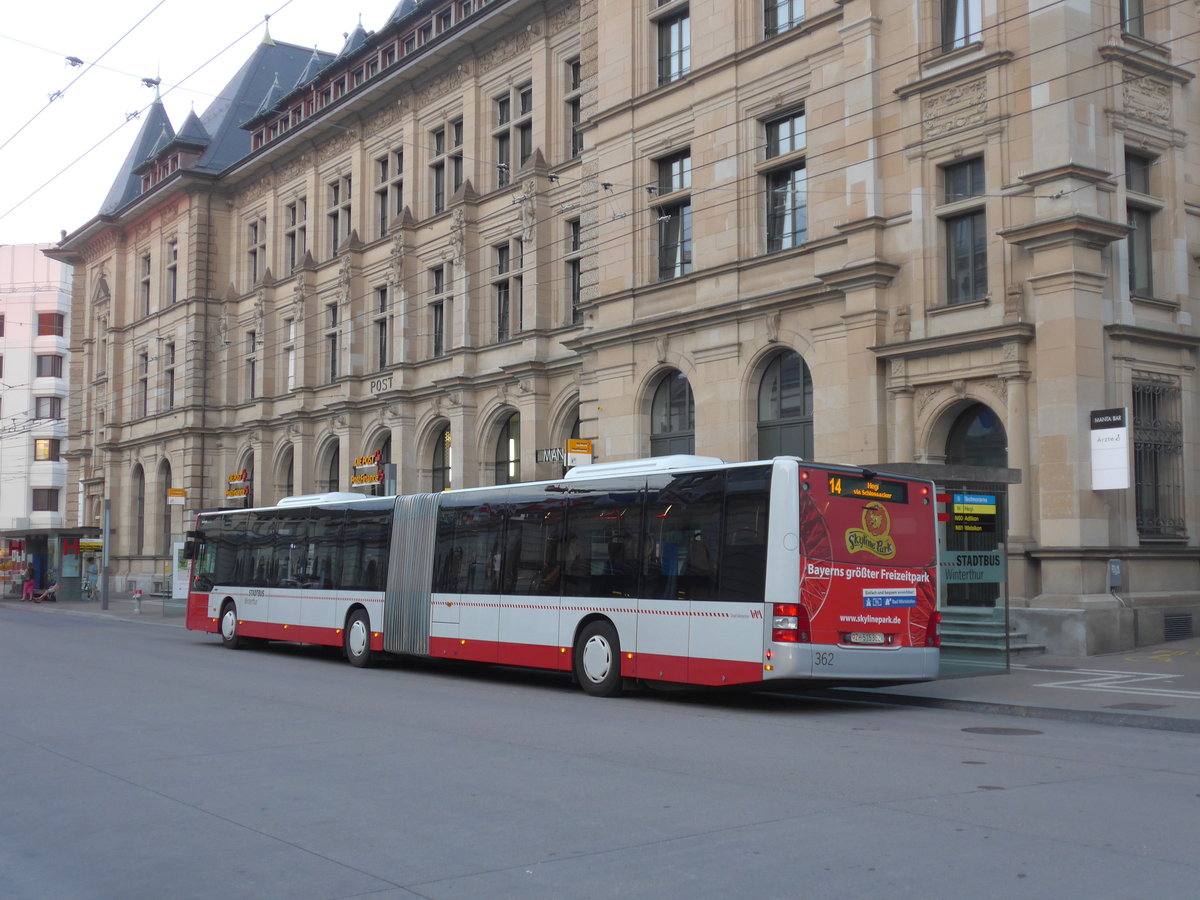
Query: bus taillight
932	637
789	624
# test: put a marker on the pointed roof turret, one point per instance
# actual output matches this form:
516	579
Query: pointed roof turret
193	133
403	8
354	40
316	63
164	138
128	184
273	95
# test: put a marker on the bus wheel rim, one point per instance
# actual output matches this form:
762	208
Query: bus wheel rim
228	624
358	638
597	658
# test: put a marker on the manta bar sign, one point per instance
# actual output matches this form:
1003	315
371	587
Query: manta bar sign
367	470
1110	449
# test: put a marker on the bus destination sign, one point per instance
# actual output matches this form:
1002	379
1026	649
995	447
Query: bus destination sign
867	488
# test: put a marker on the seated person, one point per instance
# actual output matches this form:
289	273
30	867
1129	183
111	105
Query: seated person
50	594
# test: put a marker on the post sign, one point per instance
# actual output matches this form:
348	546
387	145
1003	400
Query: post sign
176	496
237	485
1110	449
368	470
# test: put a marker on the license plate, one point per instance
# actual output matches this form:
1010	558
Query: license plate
866	637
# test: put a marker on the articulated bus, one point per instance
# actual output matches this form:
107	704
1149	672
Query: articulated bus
686	570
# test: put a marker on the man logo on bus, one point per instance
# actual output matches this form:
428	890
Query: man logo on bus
873	537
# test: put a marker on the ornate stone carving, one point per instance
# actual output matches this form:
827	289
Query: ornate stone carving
773	327
956	107
660	348
528	214
1147	100
295	168
336	147
386	120
396	261
902	326
458	237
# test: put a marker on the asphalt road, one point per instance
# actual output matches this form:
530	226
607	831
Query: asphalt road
139	760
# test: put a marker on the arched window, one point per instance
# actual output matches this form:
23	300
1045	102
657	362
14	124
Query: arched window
139	511
508	451
164	479
977	438
442	468
286	486
379	489
785	419
672	417
333	471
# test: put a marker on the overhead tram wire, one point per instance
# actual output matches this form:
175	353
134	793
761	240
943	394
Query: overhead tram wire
57	94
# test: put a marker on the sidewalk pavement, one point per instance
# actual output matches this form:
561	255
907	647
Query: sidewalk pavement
1154	687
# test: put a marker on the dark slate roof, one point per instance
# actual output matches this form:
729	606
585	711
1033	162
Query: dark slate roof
316	63
128	184
403	8
354	40
193	133
271	99
241	98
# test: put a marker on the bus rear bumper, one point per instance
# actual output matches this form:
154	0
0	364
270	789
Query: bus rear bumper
829	665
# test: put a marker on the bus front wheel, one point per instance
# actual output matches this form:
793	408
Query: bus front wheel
598	659
357	639
229	627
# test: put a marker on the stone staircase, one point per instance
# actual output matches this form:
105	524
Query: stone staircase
979	634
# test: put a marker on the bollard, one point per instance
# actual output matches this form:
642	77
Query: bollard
137	602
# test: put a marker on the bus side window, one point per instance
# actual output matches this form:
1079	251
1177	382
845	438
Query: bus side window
604	526
684	538
747	499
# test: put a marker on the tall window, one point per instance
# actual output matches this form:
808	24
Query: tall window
674	46
382	327
961	23
168	364
164	536
508	451
172	271
966	233
781	15
508	288
289	353
785	413
574	272
144	283
672	417
1140	207
331	341
296	231
49	324
1133	17
1158	455
256	252
674	213
251	365
142	401
512	134
786	182
139	511
573	99
446	165
338	213
439	286
442	465
389	189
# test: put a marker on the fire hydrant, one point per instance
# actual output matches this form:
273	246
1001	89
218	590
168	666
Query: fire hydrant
137	602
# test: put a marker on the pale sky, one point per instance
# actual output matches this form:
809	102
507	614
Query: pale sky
69	155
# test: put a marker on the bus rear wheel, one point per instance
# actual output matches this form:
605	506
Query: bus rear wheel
598	659
357	639
229	627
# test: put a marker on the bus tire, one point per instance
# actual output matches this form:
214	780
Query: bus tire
597	659
357	639
229	627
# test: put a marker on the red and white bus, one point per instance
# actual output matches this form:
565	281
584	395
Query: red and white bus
687	570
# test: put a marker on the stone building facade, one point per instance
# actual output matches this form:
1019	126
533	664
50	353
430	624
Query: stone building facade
866	231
